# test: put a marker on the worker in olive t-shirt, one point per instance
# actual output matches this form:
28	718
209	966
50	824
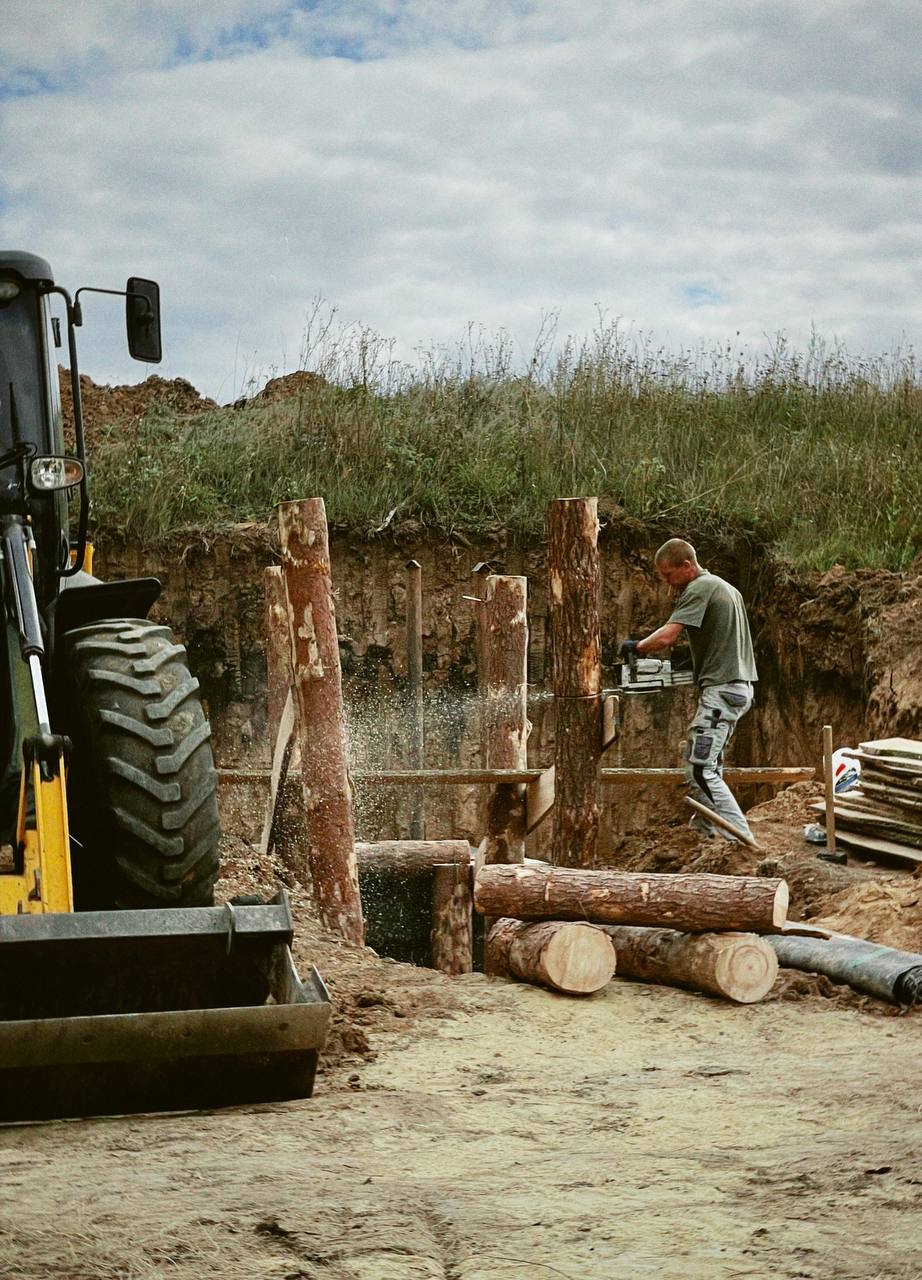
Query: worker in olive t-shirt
712	614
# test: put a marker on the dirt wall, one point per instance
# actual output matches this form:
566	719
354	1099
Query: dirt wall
834	649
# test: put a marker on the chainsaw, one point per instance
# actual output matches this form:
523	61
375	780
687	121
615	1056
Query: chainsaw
649	675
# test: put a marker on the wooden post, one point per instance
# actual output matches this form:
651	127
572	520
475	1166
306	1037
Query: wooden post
452	918
505	654
739	966
574	588
415	723
830	790
694	903
318	685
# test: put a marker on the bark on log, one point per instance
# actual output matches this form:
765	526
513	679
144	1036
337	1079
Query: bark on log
318	684
407	857
452	919
574	588
694	903
505	691
739	966
575	958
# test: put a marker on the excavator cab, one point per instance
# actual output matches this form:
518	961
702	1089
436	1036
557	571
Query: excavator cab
122	985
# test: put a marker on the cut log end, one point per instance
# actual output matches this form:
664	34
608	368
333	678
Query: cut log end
746	971
780	909
575	958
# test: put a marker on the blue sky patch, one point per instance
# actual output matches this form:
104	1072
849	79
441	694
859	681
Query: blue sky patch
702	295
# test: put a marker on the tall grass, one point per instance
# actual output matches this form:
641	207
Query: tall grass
817	451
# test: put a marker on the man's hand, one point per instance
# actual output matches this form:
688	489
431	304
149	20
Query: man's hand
627	649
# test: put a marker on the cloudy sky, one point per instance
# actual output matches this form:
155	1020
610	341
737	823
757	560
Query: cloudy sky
700	168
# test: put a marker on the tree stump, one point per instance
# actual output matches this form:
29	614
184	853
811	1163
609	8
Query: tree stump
739	966
575	958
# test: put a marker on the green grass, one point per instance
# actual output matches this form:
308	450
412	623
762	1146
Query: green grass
816	452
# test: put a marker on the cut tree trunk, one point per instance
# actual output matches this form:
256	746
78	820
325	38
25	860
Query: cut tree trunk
740	966
694	903
574	588
452	919
407	857
576	958
318	683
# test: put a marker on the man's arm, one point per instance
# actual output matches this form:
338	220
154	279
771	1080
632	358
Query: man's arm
663	637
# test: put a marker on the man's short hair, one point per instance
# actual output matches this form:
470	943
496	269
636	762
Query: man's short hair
675	552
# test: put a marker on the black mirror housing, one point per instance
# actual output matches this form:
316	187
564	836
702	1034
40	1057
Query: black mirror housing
142	316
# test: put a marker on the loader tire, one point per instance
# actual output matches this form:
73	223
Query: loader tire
142	787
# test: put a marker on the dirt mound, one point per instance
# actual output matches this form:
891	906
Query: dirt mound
888	911
371	994
128	403
291	385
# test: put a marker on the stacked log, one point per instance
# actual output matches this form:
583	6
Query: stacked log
693	903
881	818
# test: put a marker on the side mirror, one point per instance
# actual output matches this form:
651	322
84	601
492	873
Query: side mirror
142	316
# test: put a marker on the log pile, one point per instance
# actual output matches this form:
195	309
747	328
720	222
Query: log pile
697	931
881	819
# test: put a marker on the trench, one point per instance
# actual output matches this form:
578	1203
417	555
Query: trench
826	648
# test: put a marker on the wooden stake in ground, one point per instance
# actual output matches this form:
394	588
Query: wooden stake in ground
574	588
318	684
415	691
694	903
452	918
505	691
575	958
739	966
830	790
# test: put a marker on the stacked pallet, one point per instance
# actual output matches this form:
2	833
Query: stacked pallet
881	818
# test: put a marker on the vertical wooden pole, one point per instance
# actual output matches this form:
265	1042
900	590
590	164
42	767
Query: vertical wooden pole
574	589
452	918
505	654
830	790
278	648
318	685
415	723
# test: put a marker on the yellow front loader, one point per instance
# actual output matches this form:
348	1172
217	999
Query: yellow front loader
122	987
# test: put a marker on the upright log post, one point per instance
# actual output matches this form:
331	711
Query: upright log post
318	684
505	655
574	589
415	724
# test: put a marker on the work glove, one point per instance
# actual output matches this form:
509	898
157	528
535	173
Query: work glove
627	649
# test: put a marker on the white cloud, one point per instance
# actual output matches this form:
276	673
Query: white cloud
700	169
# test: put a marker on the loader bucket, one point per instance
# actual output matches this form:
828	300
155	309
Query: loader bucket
107	1012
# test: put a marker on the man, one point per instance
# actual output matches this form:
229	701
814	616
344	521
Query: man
712	614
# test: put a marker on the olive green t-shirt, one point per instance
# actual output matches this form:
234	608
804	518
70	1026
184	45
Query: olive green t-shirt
718	630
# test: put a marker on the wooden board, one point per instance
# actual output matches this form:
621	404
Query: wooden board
908	747
879	849
857	819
